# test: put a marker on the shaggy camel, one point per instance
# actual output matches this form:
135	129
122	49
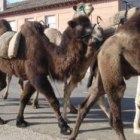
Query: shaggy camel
37	57
80	9
121	53
55	37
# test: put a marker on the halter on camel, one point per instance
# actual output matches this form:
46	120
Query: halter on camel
82	9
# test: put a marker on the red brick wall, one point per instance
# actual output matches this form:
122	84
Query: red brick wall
102	8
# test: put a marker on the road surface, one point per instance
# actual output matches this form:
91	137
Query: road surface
43	124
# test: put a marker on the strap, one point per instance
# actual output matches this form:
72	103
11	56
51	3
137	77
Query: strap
81	9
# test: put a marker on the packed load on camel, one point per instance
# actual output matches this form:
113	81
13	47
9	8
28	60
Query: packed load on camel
9	43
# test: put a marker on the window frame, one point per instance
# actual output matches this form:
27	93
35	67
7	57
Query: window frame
51	24
15	27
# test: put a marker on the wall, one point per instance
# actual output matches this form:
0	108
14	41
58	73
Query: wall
104	9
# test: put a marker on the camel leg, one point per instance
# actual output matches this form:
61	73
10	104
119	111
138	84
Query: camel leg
72	108
42	85
21	84
2	86
115	95
2	81
103	106
35	100
96	91
68	88
25	97
137	106
8	79
114	87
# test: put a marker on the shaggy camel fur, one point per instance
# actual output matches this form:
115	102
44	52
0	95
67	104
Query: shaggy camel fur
37	57
80	9
55	37
121	53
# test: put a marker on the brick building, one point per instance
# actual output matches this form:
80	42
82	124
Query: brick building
56	13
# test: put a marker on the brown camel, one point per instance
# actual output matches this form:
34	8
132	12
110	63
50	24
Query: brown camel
37	57
78	75
118	58
55	37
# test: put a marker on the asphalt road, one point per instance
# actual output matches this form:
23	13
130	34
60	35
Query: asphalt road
43	124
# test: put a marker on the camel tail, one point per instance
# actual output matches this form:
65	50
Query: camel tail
93	67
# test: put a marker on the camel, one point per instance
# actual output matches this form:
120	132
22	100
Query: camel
37	57
80	9
55	36
121	53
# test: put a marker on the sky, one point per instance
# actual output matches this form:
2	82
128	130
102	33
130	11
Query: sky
11	1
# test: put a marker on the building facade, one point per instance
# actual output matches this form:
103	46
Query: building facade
56	13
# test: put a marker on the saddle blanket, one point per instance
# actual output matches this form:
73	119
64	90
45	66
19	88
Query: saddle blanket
9	44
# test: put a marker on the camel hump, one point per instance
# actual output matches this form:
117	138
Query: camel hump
53	35
4	43
14	45
116	18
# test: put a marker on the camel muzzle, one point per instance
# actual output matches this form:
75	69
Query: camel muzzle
88	34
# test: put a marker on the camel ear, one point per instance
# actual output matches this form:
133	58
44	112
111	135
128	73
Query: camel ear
75	7
72	24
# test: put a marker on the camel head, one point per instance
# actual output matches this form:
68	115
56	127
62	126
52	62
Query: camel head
81	28
83	9
4	26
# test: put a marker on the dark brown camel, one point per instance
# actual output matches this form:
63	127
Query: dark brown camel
37	58
118	58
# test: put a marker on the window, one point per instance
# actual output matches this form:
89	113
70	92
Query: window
50	20
29	19
13	25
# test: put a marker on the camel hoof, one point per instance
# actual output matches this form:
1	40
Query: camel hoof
64	128
2	121
73	110
72	138
5	96
35	105
21	123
